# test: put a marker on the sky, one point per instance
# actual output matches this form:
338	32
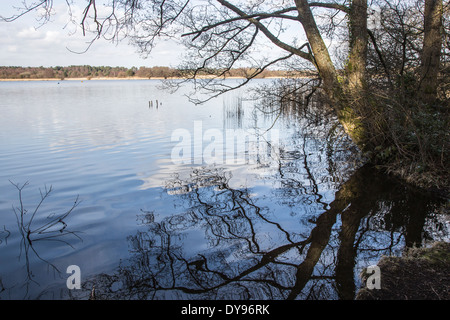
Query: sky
26	42
29	43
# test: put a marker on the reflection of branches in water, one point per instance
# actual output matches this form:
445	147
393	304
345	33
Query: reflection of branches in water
226	245
239	267
293	99
4	235
299	106
303	177
53	229
241	262
218	204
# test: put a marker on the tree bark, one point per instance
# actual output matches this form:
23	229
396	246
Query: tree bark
357	61
432	46
355	111
322	58
339	96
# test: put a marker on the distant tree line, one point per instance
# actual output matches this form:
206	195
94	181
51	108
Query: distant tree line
87	71
61	72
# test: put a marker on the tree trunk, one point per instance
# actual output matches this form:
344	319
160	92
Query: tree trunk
431	54
348	117
357	60
322	58
356	110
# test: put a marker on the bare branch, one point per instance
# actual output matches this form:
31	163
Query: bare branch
46	4
225	88
334	6
380	54
275	40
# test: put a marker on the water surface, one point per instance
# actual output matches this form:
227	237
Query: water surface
289	217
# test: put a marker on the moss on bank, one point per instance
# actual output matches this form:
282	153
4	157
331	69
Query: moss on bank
420	274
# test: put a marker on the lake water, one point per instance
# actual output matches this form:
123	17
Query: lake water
153	197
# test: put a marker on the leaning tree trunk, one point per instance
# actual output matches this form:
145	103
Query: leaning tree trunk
348	116
431	54
322	58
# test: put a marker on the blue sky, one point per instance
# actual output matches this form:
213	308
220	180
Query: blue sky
25	42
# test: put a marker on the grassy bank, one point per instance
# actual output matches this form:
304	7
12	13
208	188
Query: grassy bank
420	274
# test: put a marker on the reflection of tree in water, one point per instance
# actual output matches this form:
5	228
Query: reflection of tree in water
252	255
233	243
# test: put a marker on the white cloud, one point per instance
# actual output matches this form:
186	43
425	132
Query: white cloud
29	43
11	49
30	33
53	37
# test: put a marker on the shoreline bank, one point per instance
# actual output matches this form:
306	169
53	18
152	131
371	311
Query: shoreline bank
139	78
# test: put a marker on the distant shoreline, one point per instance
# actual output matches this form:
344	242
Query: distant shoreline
131	78
79	79
86	73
